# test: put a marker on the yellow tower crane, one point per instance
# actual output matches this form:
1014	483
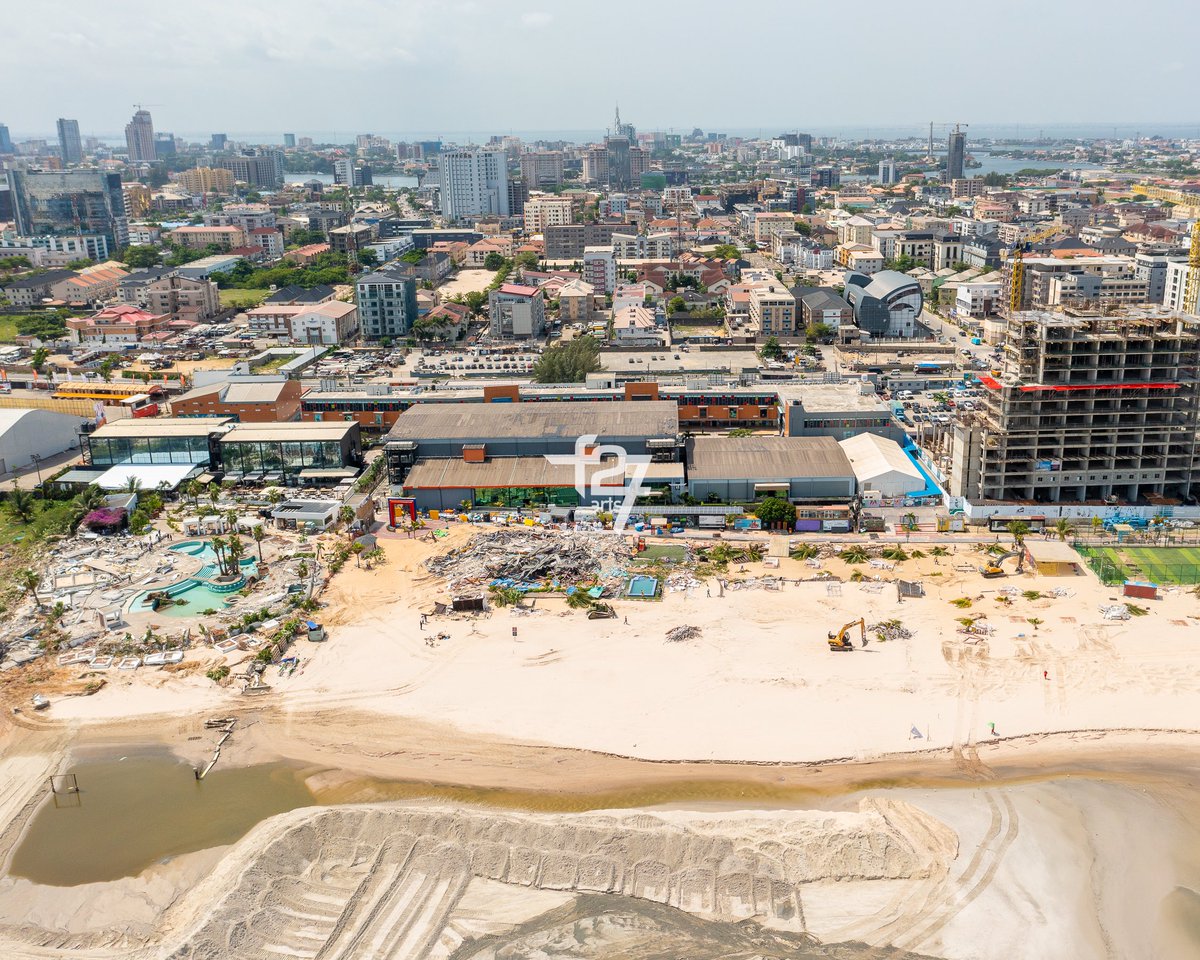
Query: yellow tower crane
1016	277
1191	293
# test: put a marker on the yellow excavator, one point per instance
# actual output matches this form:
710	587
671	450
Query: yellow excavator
841	640
994	569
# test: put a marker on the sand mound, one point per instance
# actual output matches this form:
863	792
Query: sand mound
383	881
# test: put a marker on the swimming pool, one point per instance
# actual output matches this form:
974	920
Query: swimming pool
196	593
642	587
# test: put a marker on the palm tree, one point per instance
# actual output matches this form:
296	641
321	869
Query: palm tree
1062	526
1018	529
356	548
21	504
805	551
259	535
896	553
191	489
132	484
29	580
579	600
505	596
231	517
214	493
938	551
235	552
1097	525
218	547
854	554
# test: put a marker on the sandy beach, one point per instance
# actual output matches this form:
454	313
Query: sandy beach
1028	748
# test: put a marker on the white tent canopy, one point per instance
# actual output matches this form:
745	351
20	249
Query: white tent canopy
149	476
880	464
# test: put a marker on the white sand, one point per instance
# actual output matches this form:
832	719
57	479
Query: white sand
760	685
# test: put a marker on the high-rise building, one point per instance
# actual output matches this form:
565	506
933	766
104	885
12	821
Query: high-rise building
347	172
206	180
69	142
542	168
620	177
139	137
6	144
474	183
259	168
164	145
289	140
887	171
69	202
218	142
956	153
387	303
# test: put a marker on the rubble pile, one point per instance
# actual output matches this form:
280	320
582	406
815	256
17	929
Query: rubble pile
532	556
679	634
890	630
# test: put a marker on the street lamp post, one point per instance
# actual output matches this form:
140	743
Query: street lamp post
37	465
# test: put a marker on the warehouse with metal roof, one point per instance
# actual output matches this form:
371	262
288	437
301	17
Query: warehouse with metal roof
531	429
744	469
881	465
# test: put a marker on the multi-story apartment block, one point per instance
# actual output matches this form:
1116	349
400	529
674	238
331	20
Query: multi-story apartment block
1175	284
1089	408
182	298
641	246
201	180
474	183
387	304
600	268
139	138
542	168
543	211
965	188
1037	289
569	242
773	310
516	310
258	168
226	238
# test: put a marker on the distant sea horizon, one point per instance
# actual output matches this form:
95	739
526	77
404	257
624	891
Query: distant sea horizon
982	131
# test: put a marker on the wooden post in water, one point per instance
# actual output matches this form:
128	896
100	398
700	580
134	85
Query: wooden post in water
225	725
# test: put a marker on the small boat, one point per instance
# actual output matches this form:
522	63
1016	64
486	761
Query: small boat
40	701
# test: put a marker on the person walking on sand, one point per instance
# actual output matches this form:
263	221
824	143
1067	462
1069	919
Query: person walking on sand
992	727
1045	674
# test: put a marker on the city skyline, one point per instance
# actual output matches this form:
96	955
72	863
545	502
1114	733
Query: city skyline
482	52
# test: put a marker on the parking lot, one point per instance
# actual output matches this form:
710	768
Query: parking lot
678	360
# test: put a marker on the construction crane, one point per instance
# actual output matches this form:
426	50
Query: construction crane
1191	293
1016	277
994	569
840	641
941	126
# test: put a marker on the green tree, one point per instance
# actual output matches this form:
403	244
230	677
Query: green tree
1018	529
38	361
804	227
21	504
475	301
1062	526
140	256
368	258
568	362
726	251
774	511
771	350
259	534
677	305
493	261
29	580
903	263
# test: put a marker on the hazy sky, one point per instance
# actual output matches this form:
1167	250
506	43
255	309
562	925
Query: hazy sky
483	65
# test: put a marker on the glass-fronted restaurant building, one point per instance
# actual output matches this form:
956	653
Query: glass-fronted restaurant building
157	441
303	451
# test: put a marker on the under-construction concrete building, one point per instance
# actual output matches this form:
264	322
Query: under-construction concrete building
1089	408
